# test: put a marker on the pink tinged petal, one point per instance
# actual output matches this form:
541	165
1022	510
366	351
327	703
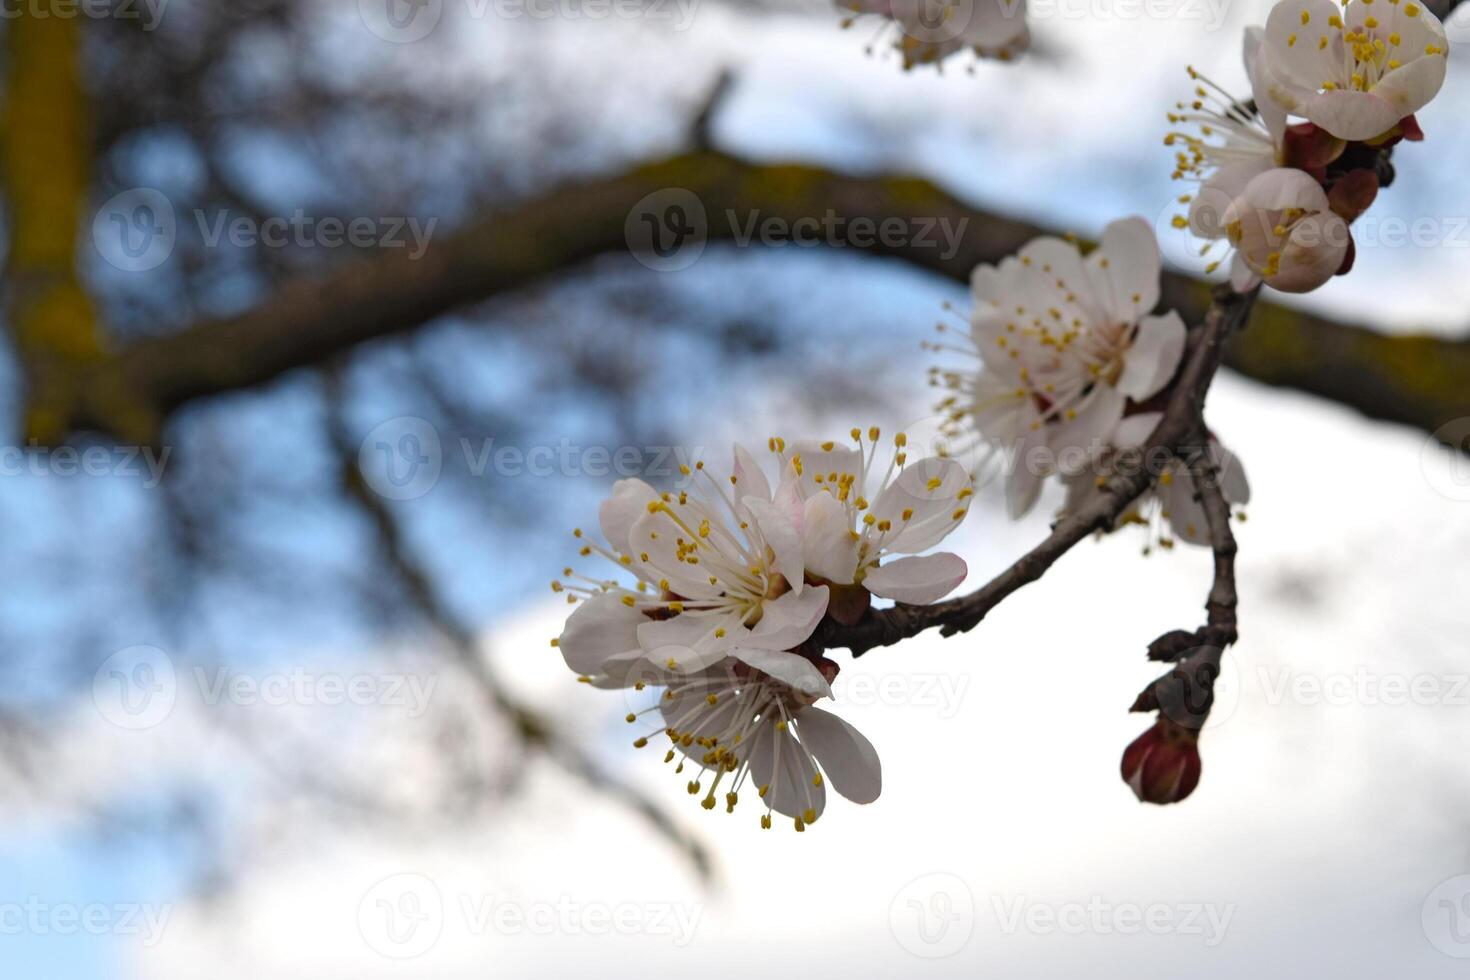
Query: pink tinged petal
994	23
1278	189
628	670
780	537
790	619
849	760
1410	87
1074	440
684	660
600	628
1242	277
750	479
1154	356
1056	259
618	513
777	760
1257	67
1133	267
788	500
987	285
789	668
1313	253
1233	484
930	491
1023	483
657	536
1207	210
1186	516
828	545
692	714
1294	62
707	633
1351	115
917	580
1133	431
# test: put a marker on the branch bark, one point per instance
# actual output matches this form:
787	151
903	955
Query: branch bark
1419	381
1180	434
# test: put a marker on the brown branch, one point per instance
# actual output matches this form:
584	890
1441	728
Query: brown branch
1180	434
1416	380
533	731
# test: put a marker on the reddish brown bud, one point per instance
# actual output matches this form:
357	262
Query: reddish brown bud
1311	148
848	604
1353	193
1350	258
1163	765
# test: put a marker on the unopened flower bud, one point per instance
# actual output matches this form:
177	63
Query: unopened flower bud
1163	765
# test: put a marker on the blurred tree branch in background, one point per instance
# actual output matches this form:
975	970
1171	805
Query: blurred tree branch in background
1420	381
46	155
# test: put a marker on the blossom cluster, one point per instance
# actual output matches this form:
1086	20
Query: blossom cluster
1283	195
926	32
723	587
729	582
1069	363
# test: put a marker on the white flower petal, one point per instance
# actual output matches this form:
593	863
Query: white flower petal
658	536
789	620
780	536
619	512
849	760
750	479
1133	431
929	492
1351	115
828	545
696	631
1154	356
789	668
597	629
916	580
1129	258
778	761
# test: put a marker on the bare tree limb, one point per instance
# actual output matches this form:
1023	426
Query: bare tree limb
1420	381
1180	434
533	731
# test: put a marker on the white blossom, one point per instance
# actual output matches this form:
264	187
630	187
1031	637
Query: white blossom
929	31
851	522
1064	344
1285	233
1235	141
1169	509
1355	71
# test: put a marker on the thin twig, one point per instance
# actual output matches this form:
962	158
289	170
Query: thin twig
1181	434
